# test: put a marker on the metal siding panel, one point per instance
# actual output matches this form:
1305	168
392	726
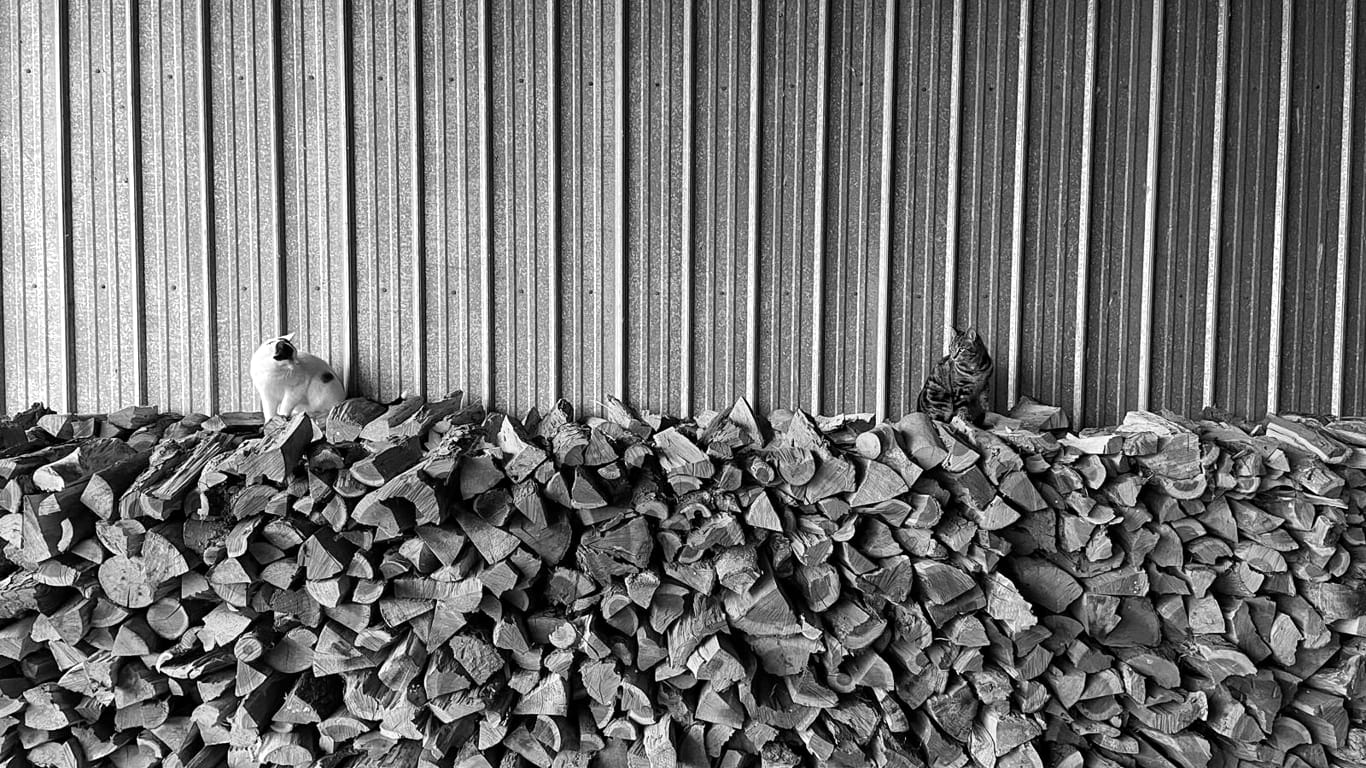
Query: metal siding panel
1354	348
243	171
34	272
852	218
521	147
1017	214
1186	156
1311	247
174	186
386	258
1116	237
1246	241
655	194
990	131
919	173
313	161
720	156
587	184
454	241
13	385
1053	169
1344	171
787	179
480	203
104	260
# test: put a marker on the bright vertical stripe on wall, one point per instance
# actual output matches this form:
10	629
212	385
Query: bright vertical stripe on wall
1150	193
1344	207
1216	204
1017	220
686	318
1273	378
884	261
552	87
486	391
619	203
818	262
1088	131
954	162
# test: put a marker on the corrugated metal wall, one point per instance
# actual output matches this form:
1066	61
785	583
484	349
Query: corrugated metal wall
1145	203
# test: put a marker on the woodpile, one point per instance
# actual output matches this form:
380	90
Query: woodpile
425	584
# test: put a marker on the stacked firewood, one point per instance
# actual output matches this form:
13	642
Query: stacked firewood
426	584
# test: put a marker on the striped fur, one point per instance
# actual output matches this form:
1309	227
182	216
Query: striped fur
960	381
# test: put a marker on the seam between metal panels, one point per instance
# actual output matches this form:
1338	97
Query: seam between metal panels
884	262
1344	205
1017	208
1145	338
818	236
68	260
1088	126
955	160
485	205
752	247
136	232
344	57
1216	202
419	212
619	205
206	212
1278	247
277	175
553	193
686	325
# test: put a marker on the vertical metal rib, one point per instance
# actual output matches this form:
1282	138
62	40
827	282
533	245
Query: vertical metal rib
343	64
1088	130
553	191
277	174
206	238
67	277
955	148
1216	203
818	249
619	205
686	328
419	212
134	117
752	234
485	205
1017	208
1278	246
1145	338
884	262
1344	206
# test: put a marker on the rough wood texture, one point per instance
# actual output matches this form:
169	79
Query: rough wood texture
423	584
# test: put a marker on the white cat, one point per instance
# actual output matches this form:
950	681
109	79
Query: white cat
289	381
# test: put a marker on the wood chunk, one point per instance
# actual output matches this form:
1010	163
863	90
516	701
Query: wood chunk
1037	416
922	440
1045	584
